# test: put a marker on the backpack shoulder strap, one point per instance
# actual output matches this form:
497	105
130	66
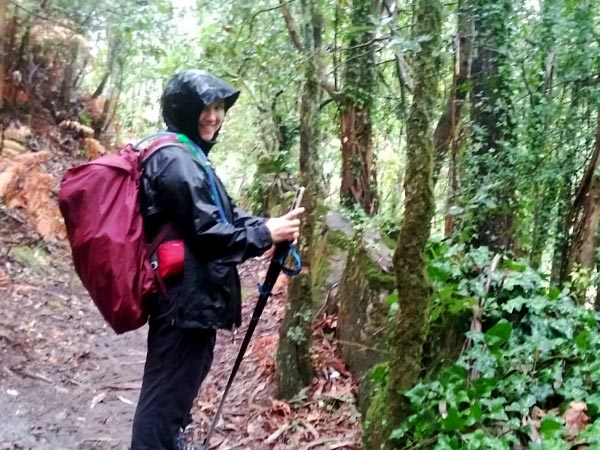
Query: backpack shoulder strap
162	140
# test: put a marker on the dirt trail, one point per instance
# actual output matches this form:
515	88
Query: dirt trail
68	382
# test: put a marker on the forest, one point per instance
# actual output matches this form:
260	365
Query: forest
451	157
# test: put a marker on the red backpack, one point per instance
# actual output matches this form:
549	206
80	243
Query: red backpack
99	201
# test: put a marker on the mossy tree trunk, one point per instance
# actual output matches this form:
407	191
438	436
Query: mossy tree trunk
446	131
491	171
294	364
359	175
586	213
273	178
408	327
545	192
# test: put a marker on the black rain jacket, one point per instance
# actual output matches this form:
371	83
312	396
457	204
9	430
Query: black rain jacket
175	189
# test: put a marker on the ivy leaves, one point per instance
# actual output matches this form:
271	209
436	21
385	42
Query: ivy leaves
516	383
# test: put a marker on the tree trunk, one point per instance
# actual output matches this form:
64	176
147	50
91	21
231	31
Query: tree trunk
115	49
492	174
69	75
446	132
272	178
408	328
102	85
359	176
582	253
294	364
562	241
111	103
545	192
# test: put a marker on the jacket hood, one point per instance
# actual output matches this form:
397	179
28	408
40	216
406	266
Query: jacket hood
187	93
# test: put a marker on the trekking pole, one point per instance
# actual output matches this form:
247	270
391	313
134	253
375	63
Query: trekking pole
276	266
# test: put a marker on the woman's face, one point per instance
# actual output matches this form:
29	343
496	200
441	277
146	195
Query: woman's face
210	120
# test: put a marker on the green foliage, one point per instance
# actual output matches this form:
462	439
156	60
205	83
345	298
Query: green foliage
386	222
536	348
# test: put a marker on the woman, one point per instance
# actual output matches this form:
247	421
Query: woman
217	235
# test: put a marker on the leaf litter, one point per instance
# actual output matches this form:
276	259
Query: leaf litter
68	382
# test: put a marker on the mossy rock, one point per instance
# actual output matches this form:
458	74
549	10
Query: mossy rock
366	285
329	256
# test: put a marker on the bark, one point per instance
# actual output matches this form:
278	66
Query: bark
69	75
366	284
561	245
111	104
408	327
446	132
582	253
272	178
359	175
294	364
115	49
102	85
294	34
492	168
359	180
546	191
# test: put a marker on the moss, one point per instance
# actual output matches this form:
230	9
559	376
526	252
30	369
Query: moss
362	314
374	424
320	256
389	241
324	252
294	365
248	293
297	335
339	240
35	258
377	278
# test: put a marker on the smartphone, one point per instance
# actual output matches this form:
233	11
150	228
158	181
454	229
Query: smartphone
298	198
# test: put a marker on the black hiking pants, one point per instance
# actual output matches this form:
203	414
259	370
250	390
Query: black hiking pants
177	362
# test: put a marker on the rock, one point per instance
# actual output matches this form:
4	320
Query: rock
366	285
329	261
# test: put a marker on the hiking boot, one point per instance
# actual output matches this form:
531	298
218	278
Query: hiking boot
182	445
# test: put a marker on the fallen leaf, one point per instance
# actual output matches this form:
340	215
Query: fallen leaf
576	418
125	400
280	407
97	399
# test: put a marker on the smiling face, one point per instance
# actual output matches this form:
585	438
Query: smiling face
210	120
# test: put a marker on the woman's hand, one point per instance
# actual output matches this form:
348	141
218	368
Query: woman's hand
286	227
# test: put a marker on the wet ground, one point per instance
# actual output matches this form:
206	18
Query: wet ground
68	382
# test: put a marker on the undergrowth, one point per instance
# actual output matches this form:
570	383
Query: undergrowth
528	375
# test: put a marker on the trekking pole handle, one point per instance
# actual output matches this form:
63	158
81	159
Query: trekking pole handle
298	198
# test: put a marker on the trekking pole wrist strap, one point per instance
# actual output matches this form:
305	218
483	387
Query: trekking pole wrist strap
292	271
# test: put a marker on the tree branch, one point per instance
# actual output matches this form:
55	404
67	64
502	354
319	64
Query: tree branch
325	83
402	67
291	26
273	8
297	41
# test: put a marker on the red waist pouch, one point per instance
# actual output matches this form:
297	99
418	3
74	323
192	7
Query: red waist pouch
171	255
